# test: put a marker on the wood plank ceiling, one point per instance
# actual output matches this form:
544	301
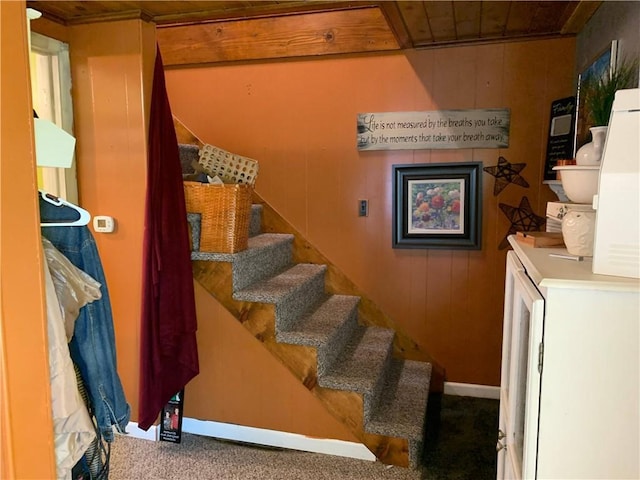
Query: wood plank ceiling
225	31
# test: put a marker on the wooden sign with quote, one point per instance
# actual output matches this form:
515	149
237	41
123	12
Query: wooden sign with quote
440	129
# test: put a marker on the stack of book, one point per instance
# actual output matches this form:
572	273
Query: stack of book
555	212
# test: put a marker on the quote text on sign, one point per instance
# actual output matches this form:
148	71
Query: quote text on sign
486	128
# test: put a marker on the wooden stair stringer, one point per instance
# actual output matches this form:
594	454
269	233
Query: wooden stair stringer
259	320
338	283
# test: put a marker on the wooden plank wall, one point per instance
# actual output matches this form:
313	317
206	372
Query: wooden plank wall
298	120
26	428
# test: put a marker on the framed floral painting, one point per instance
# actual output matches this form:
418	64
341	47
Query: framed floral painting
437	205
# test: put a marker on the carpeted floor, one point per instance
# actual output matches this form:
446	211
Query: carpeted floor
461	447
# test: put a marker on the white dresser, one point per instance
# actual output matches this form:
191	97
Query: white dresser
570	383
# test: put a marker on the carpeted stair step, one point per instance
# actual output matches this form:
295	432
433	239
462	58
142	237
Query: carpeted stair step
188	153
362	365
402	407
403	403
295	292
266	255
328	328
195	221
255	220
350	357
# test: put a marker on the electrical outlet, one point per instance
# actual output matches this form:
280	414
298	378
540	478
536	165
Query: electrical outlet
363	208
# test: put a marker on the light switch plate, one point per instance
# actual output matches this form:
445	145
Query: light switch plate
363	208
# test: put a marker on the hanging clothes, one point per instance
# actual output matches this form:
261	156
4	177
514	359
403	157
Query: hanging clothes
74	288
168	351
72	426
92	346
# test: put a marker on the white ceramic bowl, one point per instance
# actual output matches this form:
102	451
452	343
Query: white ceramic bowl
579	182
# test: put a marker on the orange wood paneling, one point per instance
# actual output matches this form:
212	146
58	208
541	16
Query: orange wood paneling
112	71
298	120
486	266
240	382
26	449
44	26
112	104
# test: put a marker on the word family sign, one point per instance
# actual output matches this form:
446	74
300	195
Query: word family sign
487	128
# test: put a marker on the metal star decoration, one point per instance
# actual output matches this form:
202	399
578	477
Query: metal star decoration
506	173
522	219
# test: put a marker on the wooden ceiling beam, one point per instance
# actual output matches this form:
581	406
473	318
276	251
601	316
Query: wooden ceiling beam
68	12
441	20
357	30
467	19
102	17
415	18
396	23
234	26
494	17
521	15
576	18
257	10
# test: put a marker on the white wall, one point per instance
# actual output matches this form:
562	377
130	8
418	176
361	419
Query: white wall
614	20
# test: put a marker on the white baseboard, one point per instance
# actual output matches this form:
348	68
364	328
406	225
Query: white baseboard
472	390
134	431
273	438
261	436
294	441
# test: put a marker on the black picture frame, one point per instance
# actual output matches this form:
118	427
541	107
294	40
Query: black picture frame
561	139
437	206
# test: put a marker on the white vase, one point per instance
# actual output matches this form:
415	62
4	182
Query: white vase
578	230
591	153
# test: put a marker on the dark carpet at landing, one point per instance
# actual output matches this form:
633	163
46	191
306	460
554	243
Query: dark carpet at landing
462	445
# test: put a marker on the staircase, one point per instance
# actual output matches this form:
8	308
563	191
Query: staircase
334	340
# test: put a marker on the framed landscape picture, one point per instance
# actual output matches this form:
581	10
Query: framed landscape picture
606	60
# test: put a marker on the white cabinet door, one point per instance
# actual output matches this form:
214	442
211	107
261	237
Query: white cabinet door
579	418
520	379
501	446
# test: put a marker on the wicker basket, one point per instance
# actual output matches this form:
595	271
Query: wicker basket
229	167
225	214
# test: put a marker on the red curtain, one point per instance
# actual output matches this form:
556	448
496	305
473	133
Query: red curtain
169	353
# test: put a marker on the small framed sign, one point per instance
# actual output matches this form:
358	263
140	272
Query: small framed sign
561	134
